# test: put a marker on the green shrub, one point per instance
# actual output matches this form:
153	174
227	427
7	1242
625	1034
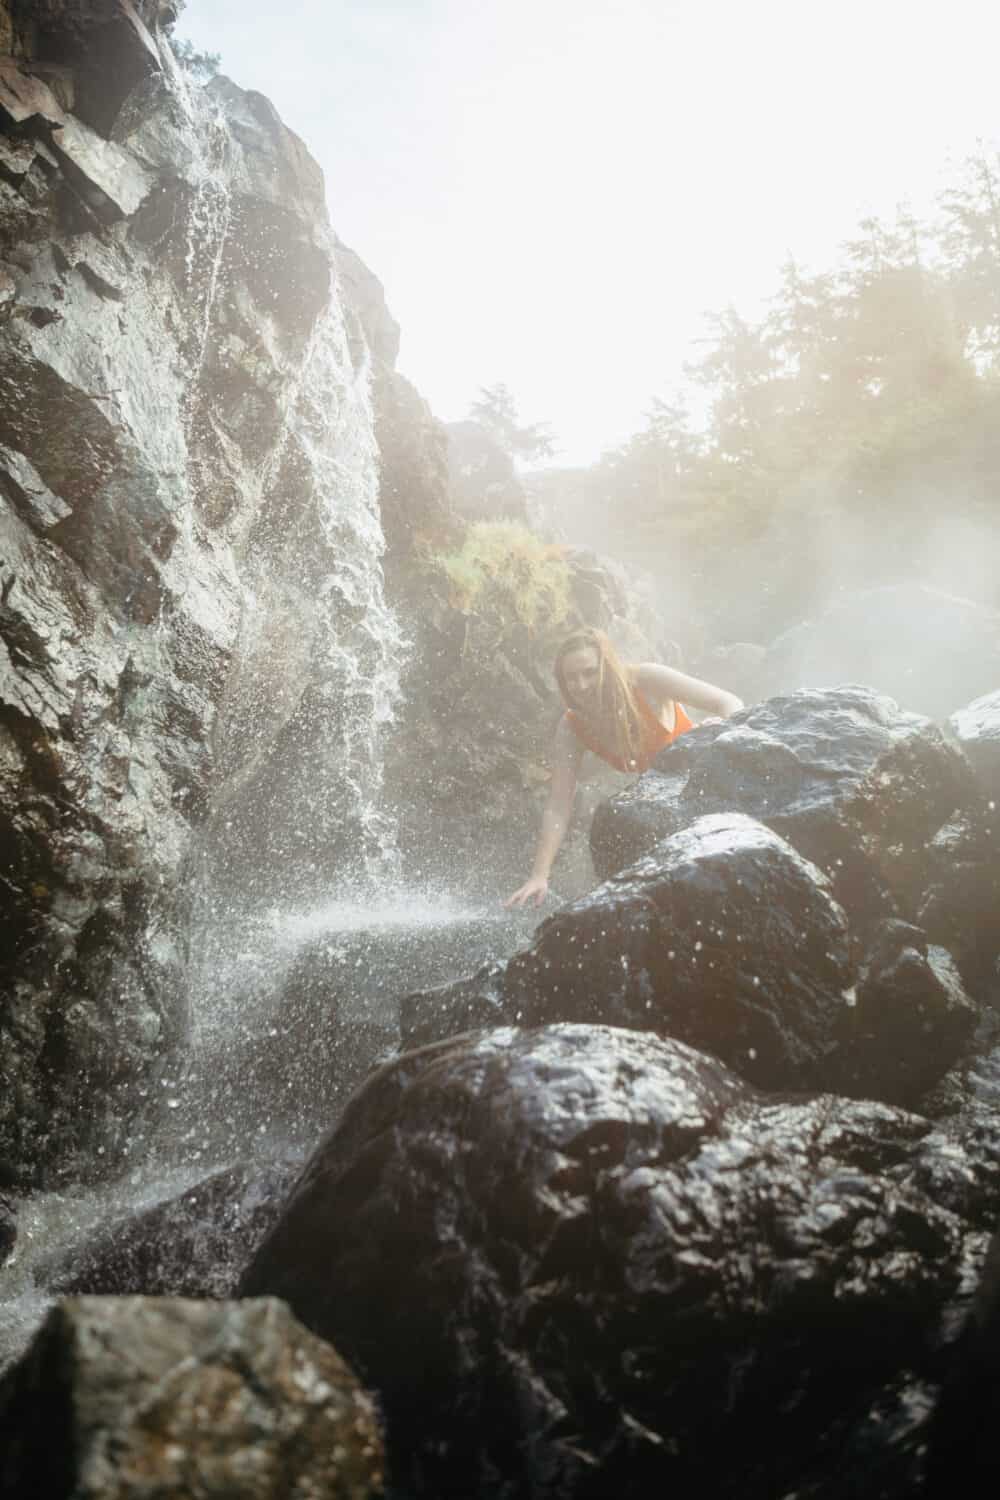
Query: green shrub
503	568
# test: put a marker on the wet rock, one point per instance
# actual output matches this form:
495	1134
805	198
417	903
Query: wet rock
852	782
131	1398
170	309
447	1010
910	1021
930	650
625	1271
977	730
194	1245
727	939
960	905
724	937
8	1228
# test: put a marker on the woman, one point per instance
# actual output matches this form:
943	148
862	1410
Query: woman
624	714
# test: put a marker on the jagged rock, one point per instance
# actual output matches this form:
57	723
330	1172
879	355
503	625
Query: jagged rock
176	381
625	1272
134	1398
928	649
977	730
194	1245
852	782
8	1228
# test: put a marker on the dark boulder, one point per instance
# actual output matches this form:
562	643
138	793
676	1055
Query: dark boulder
579	1261
725	938
930	650
194	1245
977	730
852	782
135	1398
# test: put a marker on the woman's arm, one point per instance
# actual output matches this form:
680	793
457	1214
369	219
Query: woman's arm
566	755
665	684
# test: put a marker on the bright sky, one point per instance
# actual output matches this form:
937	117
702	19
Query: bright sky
553	192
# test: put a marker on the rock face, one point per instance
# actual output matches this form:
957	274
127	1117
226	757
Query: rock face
191	615
930	650
134	1398
624	1271
853	783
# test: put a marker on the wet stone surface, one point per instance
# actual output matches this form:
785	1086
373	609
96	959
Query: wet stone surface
151	1398
726	938
852	782
194	1245
600	1242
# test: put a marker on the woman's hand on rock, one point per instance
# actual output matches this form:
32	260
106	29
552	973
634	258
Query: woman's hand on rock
532	893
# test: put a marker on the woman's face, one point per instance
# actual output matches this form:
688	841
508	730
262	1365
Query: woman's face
581	672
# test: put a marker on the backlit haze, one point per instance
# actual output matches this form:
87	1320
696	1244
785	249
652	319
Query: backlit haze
554	192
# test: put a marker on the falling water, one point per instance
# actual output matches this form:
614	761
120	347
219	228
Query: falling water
304	931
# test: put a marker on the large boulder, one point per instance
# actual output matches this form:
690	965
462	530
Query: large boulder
855	784
930	650
728	939
579	1261
162	1399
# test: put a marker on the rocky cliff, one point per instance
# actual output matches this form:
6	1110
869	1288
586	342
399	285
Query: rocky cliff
192	621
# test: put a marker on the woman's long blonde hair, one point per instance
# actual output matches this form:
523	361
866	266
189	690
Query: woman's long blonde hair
616	690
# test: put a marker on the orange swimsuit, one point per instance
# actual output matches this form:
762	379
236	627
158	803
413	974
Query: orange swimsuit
655	736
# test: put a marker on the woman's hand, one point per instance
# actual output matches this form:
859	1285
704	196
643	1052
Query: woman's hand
533	892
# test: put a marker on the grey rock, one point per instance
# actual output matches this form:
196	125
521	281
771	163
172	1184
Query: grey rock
625	1271
130	1398
171	338
855	784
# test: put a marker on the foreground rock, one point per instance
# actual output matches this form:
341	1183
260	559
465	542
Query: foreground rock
930	650
852	782
194	1245
625	1272
725	938
134	1398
